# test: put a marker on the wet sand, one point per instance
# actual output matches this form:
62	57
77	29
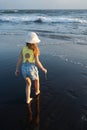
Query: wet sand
62	104
62	100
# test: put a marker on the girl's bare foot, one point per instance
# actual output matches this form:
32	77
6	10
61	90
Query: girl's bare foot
29	100
37	93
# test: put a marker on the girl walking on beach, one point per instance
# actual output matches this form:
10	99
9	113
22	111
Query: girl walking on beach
28	56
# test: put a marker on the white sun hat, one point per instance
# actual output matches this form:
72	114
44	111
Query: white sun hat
32	38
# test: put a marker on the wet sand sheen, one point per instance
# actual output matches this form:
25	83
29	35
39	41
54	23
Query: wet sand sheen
61	100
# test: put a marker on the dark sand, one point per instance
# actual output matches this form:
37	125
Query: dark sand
62	101
62	104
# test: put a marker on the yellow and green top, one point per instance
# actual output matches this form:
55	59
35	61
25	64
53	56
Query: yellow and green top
28	55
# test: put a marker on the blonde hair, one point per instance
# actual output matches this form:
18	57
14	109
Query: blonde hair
34	47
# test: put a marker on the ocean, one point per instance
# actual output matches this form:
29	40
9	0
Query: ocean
58	22
62	104
62	23
63	26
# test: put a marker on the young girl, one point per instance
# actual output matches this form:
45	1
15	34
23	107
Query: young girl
28	57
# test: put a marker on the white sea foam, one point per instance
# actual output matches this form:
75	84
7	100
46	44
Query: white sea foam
38	18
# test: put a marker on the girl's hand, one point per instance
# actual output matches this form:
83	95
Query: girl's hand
45	70
17	72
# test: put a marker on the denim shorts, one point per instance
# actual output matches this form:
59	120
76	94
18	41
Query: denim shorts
29	70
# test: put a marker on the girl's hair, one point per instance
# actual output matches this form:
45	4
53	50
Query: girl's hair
34	47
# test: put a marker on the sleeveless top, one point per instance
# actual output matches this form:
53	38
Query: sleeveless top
28	55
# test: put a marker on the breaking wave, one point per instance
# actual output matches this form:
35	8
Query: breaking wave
39	19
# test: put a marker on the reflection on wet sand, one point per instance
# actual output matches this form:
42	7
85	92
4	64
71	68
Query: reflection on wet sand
34	118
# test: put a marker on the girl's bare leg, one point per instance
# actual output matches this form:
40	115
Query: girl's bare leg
28	90
37	86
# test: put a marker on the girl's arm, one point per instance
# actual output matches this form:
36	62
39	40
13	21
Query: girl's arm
39	64
20	58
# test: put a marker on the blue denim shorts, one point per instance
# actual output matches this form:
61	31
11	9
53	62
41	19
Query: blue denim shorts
29	70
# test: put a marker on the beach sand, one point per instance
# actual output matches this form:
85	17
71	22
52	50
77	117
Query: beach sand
62	104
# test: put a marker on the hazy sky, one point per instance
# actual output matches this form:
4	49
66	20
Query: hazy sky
43	4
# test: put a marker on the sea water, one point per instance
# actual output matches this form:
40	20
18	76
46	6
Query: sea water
52	23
